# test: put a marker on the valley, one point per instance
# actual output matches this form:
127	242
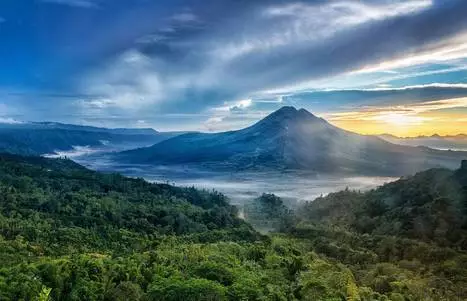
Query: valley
240	186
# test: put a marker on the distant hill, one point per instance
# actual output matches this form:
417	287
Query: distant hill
454	142
118	131
50	138
429	206
293	139
406	239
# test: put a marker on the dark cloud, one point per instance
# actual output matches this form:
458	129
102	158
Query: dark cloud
152	57
350	49
326	101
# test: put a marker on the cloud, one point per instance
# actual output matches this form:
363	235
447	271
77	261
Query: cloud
213	121
4	112
409	112
445	50
342	100
294	23
9	120
233	115
185	17
386	87
359	46
3	109
143	60
95	104
333	16
128	83
281	45
228	121
405	120
432	85
75	3
370	80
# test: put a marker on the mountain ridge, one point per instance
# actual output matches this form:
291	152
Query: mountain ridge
462	135
448	142
40	138
123	131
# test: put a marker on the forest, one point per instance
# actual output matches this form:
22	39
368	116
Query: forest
69	233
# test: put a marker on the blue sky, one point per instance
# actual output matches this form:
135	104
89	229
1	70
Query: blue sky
213	65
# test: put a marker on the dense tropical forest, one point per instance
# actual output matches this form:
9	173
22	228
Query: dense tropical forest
68	233
406	240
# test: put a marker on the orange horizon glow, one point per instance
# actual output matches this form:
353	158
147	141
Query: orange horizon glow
443	117
378	128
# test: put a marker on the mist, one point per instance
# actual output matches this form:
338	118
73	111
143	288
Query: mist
241	187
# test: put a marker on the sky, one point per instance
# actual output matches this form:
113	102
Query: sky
369	66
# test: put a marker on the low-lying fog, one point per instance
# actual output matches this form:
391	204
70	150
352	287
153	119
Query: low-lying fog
243	186
85	152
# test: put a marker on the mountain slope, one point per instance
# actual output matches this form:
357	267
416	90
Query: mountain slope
292	139
50	137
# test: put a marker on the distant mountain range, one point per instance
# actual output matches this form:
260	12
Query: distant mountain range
117	131
454	142
292	139
40	138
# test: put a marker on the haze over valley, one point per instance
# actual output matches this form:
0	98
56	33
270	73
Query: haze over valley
290	153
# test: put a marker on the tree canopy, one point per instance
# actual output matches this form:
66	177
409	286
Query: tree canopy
68	233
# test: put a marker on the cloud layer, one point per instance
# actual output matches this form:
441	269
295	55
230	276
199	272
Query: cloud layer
222	63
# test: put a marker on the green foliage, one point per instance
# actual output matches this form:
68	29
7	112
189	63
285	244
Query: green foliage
68	233
45	294
268	213
54	207
405	240
429	206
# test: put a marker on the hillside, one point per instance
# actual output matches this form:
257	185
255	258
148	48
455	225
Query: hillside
68	233
429	206
50	137
292	139
406	240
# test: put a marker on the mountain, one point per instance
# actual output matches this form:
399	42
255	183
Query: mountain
454	142
52	138
292	139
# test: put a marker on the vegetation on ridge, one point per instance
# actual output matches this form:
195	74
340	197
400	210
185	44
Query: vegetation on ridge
68	233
